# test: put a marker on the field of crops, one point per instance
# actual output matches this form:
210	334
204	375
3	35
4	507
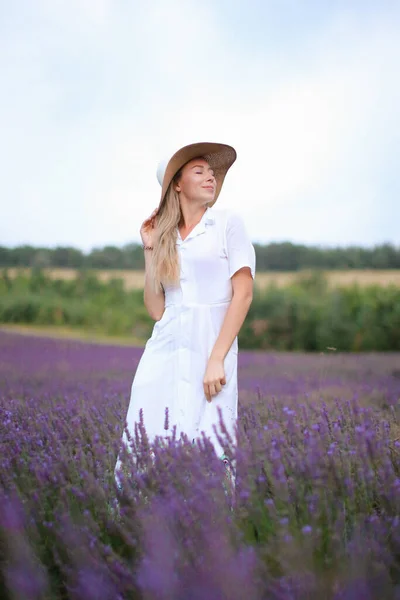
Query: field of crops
314	514
135	279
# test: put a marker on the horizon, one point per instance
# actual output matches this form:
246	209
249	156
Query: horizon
275	242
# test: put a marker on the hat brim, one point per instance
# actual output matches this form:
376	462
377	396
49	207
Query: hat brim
219	156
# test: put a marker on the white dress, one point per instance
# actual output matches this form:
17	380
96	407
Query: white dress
172	367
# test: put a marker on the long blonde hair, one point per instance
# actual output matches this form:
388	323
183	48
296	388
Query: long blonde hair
165	268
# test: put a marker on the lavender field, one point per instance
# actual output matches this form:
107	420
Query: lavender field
315	510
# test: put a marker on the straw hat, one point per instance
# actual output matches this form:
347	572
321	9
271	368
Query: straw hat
219	156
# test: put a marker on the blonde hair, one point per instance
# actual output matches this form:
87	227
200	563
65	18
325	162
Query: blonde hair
165	268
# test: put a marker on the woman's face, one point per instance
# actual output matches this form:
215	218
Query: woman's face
197	181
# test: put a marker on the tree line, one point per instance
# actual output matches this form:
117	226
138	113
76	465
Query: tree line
277	256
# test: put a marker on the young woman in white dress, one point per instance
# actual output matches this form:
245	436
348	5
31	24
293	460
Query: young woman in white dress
199	271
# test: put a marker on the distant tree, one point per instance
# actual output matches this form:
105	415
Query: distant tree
67	257
276	256
385	257
133	256
41	258
109	257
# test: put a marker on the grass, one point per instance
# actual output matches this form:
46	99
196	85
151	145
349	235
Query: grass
135	279
70	333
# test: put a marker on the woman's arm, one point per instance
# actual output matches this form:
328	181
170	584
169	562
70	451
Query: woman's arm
242	266
242	285
214	378
154	302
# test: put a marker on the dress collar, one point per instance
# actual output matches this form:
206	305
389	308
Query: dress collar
207	219
209	216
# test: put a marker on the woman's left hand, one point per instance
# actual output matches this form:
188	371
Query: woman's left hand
214	378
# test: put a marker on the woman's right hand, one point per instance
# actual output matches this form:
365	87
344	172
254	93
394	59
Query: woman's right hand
148	229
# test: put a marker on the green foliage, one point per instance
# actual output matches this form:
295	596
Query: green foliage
84	302
307	315
282	256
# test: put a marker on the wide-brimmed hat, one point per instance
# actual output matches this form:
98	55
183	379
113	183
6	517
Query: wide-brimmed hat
219	156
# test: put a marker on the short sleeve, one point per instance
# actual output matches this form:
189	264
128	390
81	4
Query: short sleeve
239	248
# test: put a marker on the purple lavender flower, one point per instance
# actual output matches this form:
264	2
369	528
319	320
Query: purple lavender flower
316	481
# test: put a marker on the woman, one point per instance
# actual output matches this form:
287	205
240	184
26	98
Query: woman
199	270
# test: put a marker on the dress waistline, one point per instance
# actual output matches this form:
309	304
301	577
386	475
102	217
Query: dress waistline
197	304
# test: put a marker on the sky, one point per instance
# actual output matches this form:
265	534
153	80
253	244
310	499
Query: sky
94	93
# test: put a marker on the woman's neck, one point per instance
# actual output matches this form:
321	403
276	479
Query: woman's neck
191	216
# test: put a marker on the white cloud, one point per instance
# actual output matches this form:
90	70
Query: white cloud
97	95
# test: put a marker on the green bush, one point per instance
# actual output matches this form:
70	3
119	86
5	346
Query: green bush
307	315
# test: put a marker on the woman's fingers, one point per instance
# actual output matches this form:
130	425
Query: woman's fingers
212	389
153	214
149	222
207	391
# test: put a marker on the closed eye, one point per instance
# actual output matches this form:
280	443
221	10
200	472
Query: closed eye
201	173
